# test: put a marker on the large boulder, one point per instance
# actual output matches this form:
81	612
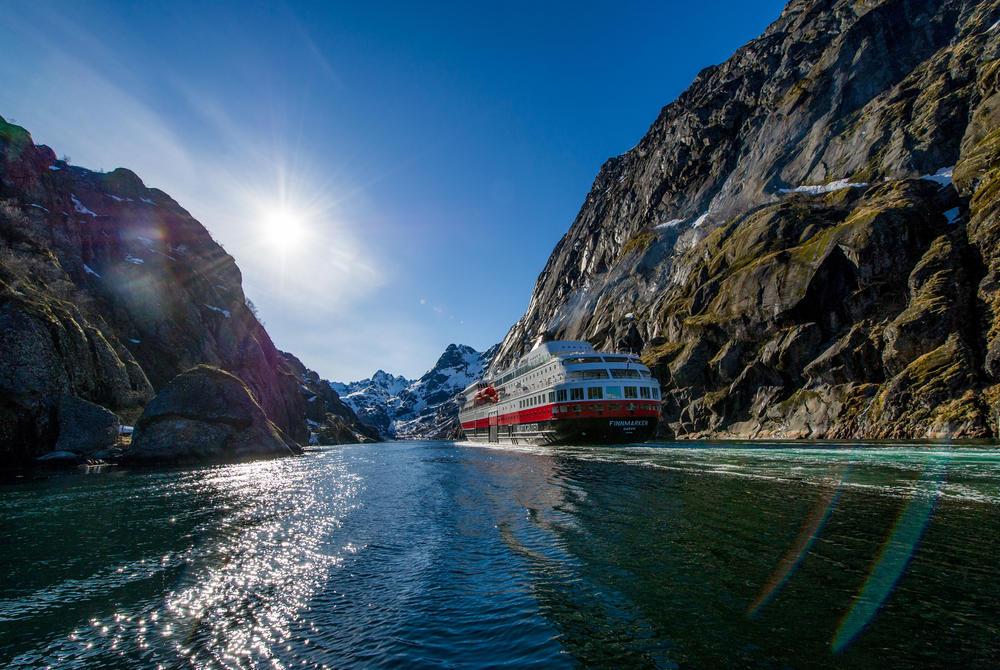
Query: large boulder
205	415
85	427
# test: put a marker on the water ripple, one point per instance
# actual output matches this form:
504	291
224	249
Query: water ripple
467	556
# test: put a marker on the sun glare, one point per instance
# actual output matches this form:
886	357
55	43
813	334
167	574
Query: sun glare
283	229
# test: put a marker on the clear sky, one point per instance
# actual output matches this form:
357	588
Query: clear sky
421	160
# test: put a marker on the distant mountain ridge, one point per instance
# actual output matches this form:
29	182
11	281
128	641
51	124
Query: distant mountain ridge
419	408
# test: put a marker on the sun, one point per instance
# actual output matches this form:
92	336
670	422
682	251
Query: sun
283	228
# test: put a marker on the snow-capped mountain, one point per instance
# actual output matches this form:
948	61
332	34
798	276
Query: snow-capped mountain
425	407
374	399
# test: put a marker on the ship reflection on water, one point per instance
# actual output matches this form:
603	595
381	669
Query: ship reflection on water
424	554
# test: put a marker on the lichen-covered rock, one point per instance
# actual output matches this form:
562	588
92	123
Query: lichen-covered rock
205	415
932	397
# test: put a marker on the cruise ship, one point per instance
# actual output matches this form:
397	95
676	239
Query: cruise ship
563	392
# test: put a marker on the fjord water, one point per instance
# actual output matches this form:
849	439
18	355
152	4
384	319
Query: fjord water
437	554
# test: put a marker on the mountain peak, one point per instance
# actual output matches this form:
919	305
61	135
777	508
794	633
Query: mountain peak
417	408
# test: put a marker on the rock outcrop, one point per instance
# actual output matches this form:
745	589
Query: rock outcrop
785	245
108	290
205	415
85	428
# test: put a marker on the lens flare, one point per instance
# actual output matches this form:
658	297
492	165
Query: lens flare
895	556
793	558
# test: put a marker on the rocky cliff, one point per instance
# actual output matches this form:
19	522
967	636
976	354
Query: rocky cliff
108	290
420	408
330	420
786	246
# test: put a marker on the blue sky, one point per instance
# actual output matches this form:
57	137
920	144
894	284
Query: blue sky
431	154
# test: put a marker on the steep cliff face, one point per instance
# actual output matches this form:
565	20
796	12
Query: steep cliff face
785	245
109	289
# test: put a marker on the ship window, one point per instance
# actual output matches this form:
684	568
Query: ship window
631	392
561	395
595	408
644	392
622	373
595	393
614	407
630	406
613	392
576	394
615	359
577	408
595	374
552	396
584	359
656	394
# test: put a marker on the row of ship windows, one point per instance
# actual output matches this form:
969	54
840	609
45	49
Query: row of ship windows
616	373
610	407
594	393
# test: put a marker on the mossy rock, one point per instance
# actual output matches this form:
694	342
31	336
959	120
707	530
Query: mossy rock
638	244
662	354
911	402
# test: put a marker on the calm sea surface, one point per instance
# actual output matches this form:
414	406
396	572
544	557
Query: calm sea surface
437	554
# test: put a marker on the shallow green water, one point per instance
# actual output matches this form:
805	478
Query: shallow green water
436	554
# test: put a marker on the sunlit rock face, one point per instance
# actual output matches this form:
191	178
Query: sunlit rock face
785	245
420	408
109	289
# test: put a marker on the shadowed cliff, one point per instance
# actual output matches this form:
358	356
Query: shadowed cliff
108	290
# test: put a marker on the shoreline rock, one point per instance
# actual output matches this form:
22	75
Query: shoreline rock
205	415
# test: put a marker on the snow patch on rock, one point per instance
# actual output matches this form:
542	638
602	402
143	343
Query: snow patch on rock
942	176
79	206
819	189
